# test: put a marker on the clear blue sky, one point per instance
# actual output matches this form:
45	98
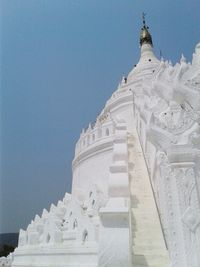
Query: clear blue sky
60	62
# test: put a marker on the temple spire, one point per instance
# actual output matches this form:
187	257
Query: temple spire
143	18
145	36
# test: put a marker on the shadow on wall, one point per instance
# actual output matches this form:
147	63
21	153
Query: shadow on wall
139	260
134	201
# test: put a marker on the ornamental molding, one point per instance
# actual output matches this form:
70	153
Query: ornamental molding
191	218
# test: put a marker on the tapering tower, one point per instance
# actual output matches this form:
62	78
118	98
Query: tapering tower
145	36
148	63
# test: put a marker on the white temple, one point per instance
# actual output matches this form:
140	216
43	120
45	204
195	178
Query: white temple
135	198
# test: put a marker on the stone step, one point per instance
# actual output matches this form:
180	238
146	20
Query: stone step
142	242
147	238
138	213
141	237
143	200
144	221
143	228
148	251
144	235
137	205
149	261
144	231
141	196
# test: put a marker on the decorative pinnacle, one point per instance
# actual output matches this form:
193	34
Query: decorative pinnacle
145	36
143	18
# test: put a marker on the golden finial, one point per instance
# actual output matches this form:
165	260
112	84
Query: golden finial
145	36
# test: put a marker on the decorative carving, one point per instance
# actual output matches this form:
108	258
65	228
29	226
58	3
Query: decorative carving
167	208
6	261
196	56
191	218
174	119
22	238
194	83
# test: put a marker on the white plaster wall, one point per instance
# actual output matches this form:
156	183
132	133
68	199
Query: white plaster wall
93	170
114	242
120	106
91	166
62	256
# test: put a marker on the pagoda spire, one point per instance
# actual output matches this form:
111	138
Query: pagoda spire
145	36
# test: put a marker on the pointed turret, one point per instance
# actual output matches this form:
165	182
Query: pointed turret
145	36
146	43
148	63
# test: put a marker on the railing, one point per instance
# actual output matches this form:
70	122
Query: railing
93	135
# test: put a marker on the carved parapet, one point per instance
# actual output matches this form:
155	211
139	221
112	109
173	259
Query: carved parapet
92	135
22	238
45	215
101	138
66	199
6	261
33	237
196	56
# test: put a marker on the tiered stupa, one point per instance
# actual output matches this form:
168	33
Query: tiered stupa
135	199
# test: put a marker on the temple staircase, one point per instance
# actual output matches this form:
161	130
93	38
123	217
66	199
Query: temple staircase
148	245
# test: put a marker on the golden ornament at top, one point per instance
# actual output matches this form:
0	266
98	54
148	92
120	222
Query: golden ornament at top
145	36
